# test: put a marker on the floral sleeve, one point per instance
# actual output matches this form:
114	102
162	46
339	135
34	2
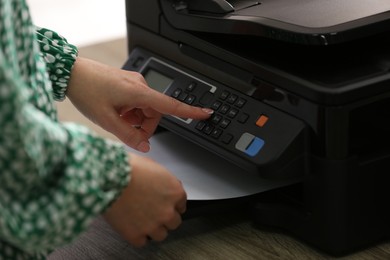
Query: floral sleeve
59	56
55	178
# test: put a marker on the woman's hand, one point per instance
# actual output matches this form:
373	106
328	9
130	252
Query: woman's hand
122	103
150	205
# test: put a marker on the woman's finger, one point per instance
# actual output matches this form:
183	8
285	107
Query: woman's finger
170	106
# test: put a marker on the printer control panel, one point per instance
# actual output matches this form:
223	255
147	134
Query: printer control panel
243	130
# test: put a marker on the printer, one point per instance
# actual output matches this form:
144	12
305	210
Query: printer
300	89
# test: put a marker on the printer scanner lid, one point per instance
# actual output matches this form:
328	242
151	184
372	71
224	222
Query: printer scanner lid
312	22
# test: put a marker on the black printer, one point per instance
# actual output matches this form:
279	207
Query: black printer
301	88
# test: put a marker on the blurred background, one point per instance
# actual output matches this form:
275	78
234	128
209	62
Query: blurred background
83	22
96	27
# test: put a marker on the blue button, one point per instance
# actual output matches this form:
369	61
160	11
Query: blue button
255	146
249	144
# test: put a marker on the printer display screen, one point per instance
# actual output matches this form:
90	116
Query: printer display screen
157	81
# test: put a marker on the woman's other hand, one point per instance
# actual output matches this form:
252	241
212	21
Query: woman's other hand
150	206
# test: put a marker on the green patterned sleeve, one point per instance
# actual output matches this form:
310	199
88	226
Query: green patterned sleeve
55	178
59	56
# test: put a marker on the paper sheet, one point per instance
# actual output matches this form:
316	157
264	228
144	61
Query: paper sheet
206	176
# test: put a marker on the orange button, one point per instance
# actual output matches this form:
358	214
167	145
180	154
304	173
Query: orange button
262	120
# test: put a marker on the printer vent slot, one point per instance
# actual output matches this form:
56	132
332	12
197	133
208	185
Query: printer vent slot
370	130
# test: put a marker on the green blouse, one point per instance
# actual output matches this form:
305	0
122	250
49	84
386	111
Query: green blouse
54	177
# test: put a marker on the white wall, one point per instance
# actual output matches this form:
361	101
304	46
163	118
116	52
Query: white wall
82	22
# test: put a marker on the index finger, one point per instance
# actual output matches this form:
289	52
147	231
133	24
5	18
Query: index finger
170	106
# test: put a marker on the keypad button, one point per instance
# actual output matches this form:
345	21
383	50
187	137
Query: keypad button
240	103
216	105
224	109
224	95
216	133
208	129
215	119
138	61
182	96
176	93
200	125
243	118
232	113
232	98
224	123
191	87
190	99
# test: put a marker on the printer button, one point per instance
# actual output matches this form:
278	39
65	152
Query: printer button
224	109
208	129
190	99
224	95
183	96
255	147
176	93
232	99
225	123
243	118
244	142
232	113
216	133
138	62
215	119
200	125
249	144
240	103
262	120
191	87
216	105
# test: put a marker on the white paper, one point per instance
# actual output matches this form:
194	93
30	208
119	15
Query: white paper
206	176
